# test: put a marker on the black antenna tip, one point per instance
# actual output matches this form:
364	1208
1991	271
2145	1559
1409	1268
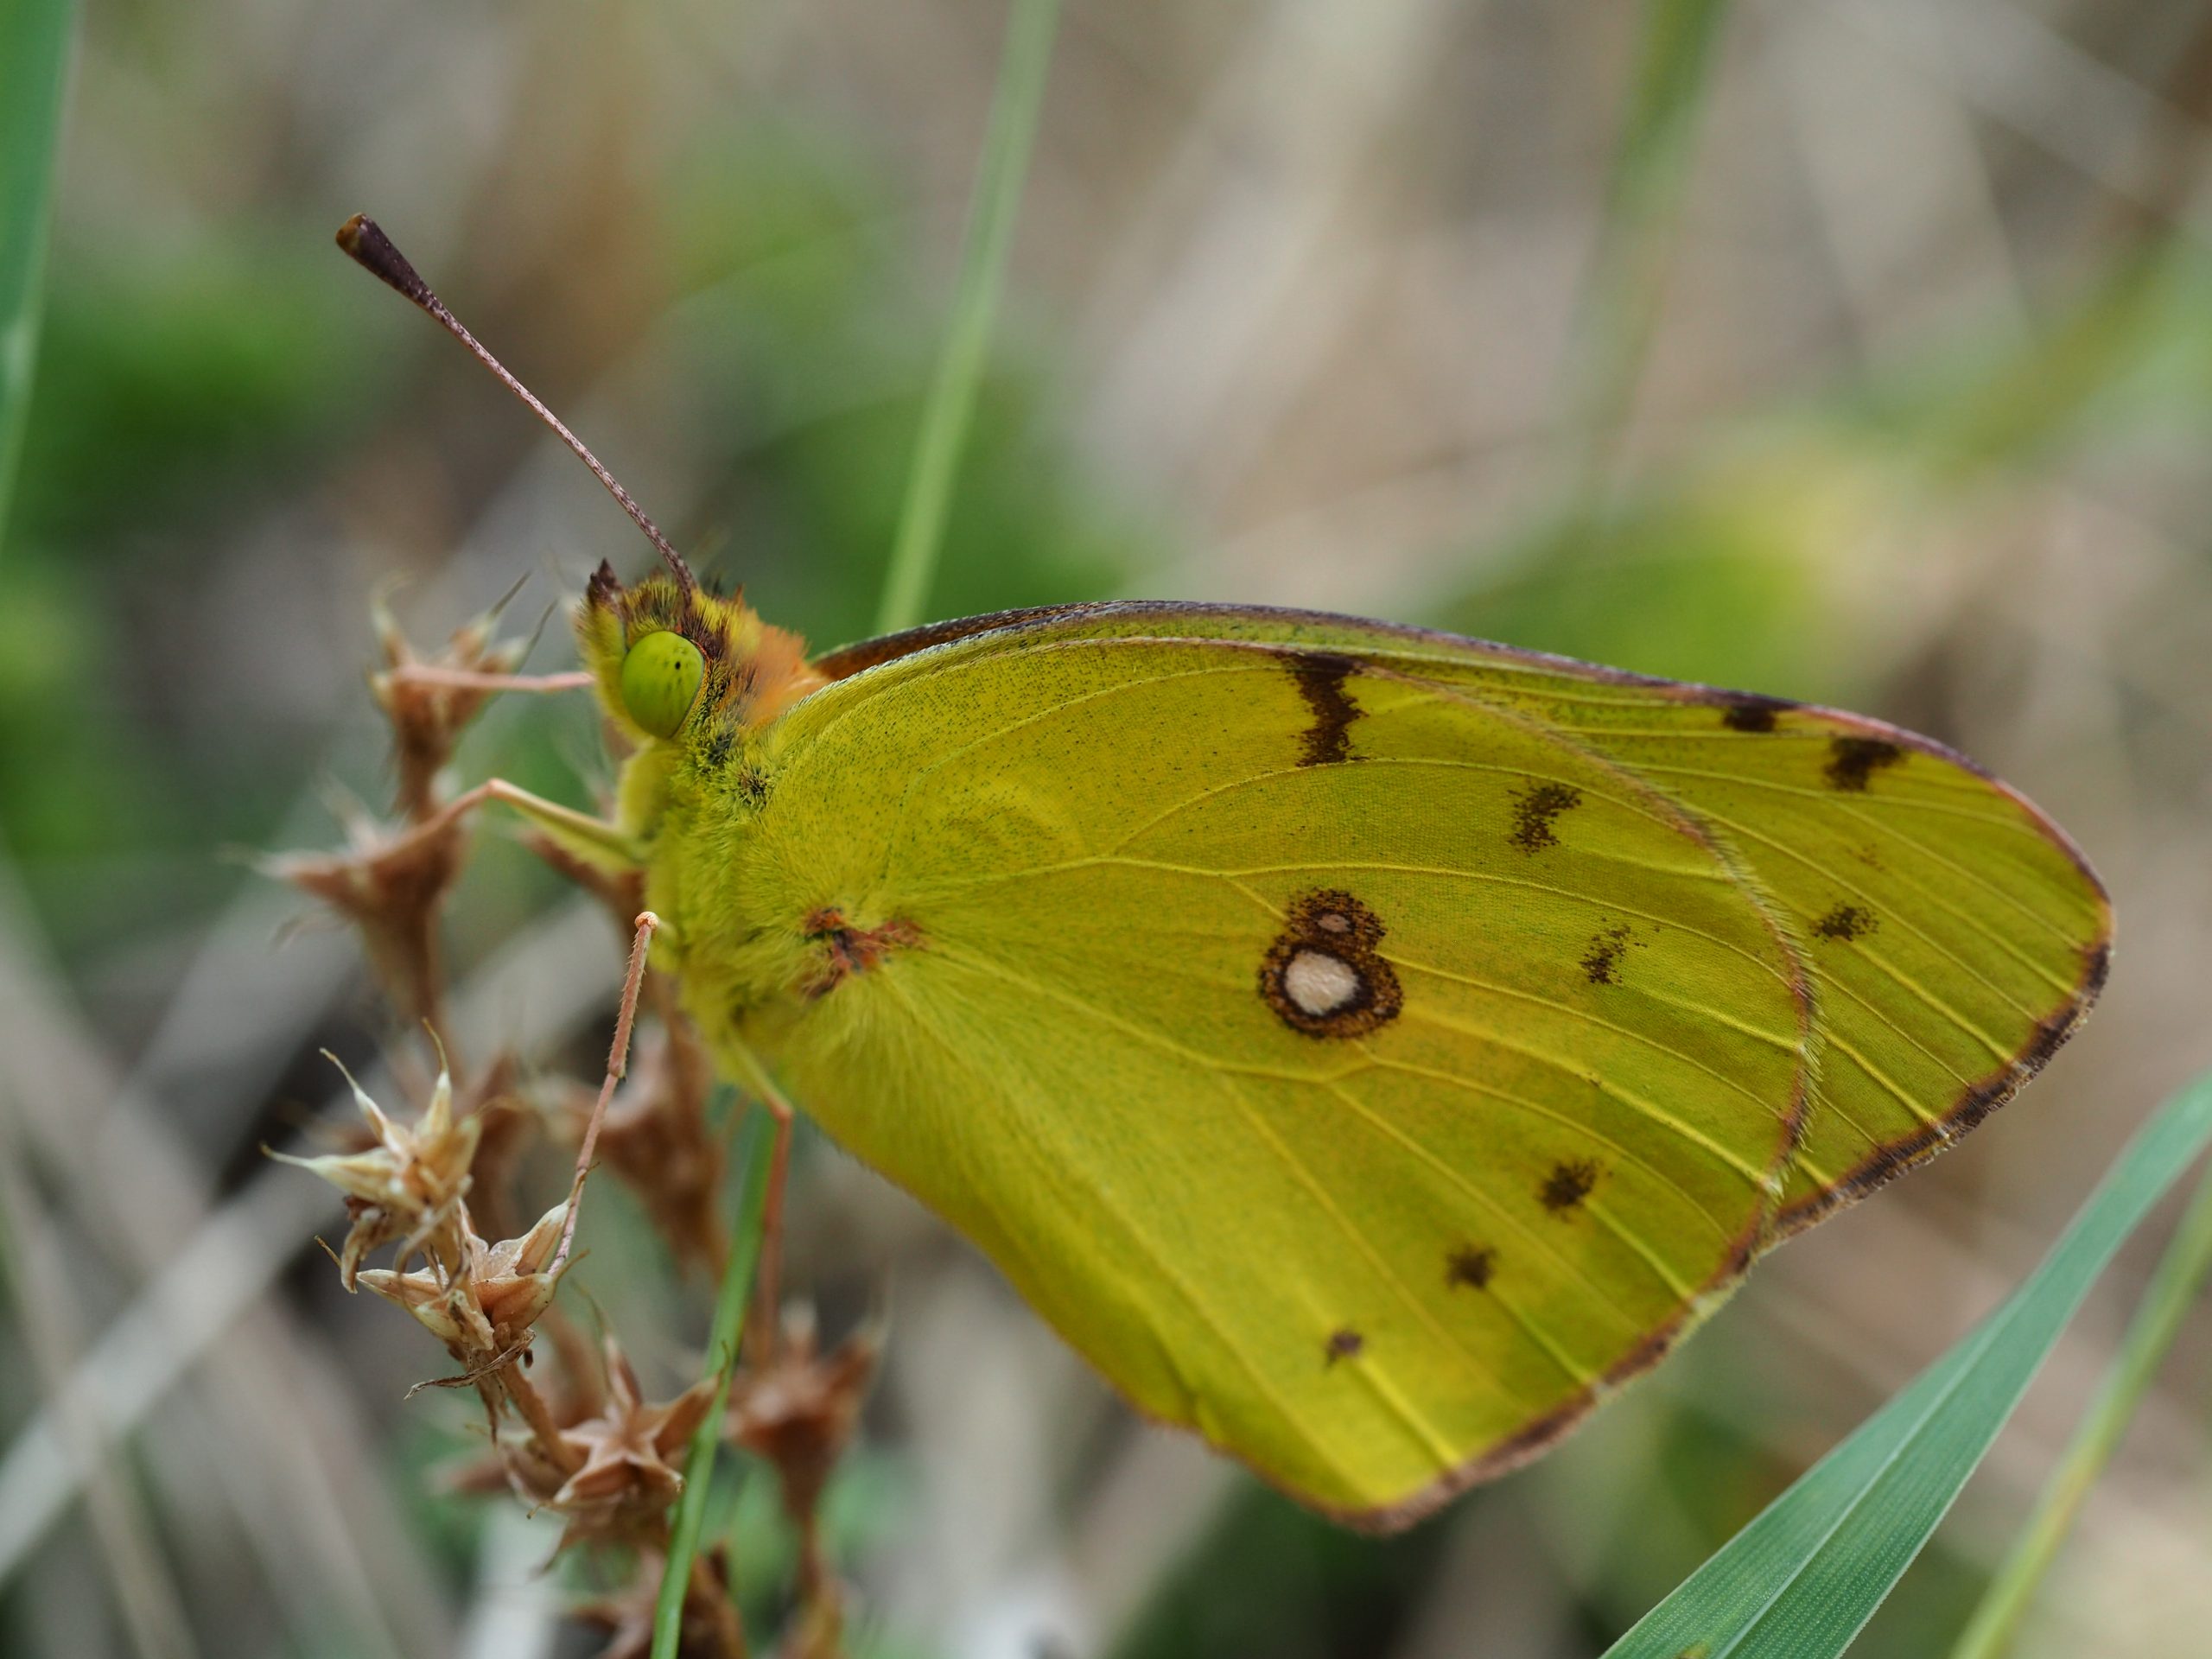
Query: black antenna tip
367	246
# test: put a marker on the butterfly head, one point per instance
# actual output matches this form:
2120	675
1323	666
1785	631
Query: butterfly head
675	663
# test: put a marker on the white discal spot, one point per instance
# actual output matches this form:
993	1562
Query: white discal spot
1333	921
1320	983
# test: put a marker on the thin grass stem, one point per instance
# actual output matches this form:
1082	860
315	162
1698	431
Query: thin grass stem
2166	1300
723	1337
946	414
36	41
1627	281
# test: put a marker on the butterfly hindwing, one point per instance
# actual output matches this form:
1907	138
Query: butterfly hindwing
1365	1046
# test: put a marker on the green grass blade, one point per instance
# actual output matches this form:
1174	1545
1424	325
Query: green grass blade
1801	1579
1651	167
34	41
2166	1299
1023	66
723	1337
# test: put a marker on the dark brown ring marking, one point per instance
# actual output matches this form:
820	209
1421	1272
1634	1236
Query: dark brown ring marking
1332	929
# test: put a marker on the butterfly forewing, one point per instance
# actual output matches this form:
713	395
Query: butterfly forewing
1355	1063
1954	936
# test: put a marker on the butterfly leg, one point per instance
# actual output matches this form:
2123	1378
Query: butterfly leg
618	1063
468	679
595	838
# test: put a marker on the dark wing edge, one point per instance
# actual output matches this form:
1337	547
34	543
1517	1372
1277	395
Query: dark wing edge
1525	1444
1977	1101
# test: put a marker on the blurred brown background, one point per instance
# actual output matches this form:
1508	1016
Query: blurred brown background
1904	404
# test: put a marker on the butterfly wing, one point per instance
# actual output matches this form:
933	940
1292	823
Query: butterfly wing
1953	936
1366	1047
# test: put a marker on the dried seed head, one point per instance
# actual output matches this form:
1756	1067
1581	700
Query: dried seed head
408	1186
392	888
427	714
799	1409
484	1307
634	1454
615	1473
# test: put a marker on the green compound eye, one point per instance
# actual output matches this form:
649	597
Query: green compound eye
660	682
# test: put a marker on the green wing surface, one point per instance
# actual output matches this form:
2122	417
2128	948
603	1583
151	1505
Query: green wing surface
1367	1046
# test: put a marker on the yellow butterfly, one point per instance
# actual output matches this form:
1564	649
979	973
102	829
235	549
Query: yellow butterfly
1367	1046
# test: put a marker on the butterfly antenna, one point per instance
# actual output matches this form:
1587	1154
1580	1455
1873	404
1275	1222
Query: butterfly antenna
367	245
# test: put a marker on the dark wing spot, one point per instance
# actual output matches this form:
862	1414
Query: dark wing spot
1847	923
1601	962
1342	1344
1536	809
847	949
1853	760
1321	678
1470	1267
1332	924
1568	1185
1746	711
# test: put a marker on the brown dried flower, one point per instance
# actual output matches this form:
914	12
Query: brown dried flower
392	886
427	712
483	1307
798	1409
615	1473
408	1186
